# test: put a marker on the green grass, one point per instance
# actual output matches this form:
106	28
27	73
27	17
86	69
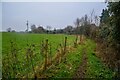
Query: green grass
22	39
70	63
0	54
67	68
96	69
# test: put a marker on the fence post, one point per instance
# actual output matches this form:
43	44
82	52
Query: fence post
46	54
65	43
61	51
27	58
80	38
50	53
75	43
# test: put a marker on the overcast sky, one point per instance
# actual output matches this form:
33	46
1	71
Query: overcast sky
0	16
55	14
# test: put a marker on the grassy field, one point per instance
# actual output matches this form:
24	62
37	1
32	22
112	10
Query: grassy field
21	41
66	68
0	54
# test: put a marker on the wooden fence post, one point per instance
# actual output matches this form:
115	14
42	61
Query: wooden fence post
46	54
60	53
65	43
75	43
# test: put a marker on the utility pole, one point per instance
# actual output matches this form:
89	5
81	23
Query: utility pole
27	26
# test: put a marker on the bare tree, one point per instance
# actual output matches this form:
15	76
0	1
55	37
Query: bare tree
96	20
9	29
91	15
48	28
77	22
68	29
40	29
33	28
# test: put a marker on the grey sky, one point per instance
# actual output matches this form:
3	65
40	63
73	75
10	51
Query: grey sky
57	15
0	16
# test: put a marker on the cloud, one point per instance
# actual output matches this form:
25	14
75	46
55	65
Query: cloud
53	0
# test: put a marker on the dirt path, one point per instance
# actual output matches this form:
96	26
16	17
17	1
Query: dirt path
80	73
